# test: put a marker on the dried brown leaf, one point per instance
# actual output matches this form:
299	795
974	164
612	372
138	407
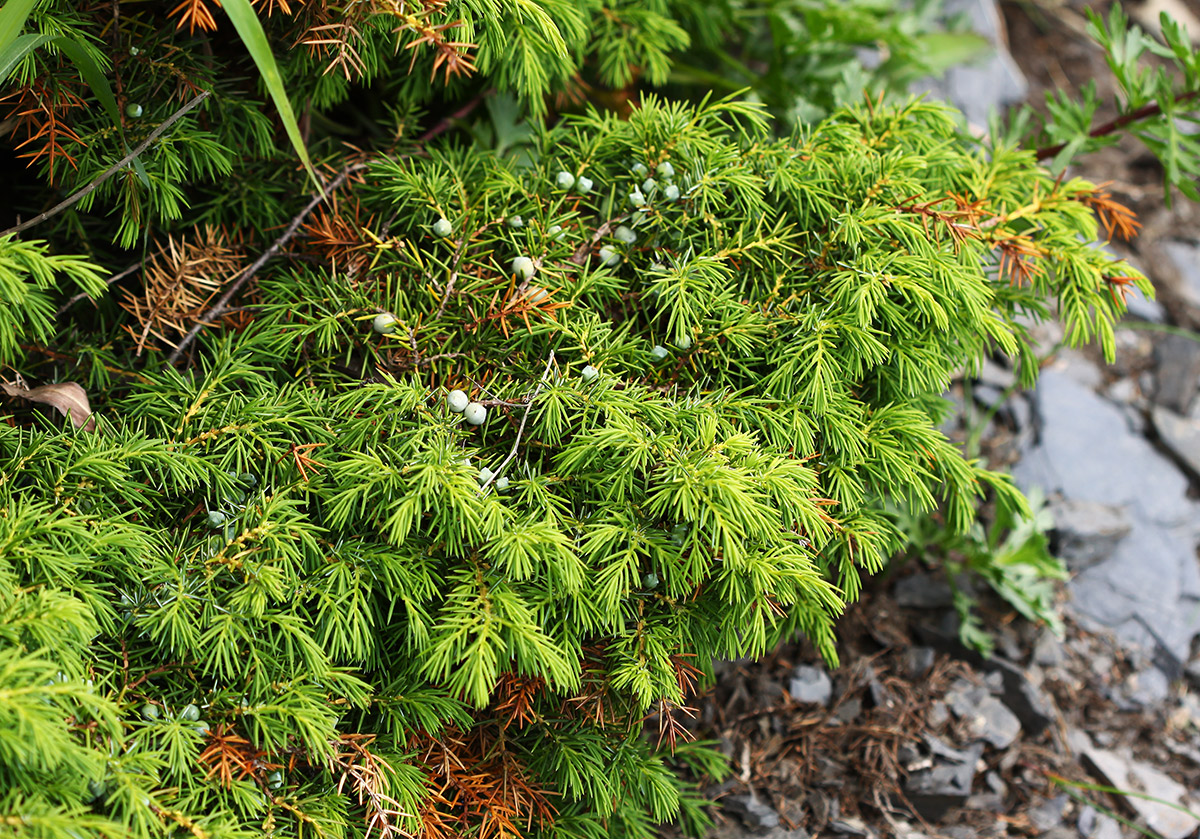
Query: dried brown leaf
69	398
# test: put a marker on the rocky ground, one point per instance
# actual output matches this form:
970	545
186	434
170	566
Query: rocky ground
914	736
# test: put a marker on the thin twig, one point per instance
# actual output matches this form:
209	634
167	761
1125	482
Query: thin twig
521	430
110	171
454	263
426	361
581	253
1144	112
221	306
114	278
447	122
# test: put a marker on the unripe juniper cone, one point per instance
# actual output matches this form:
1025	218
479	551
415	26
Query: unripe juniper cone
475	413
384	324
523	267
457	401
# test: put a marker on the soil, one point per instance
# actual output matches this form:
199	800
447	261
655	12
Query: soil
842	768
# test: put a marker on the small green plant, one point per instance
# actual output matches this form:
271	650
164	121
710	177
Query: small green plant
1155	103
1011	556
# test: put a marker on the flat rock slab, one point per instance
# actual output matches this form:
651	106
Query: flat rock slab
1179	434
1186	258
1088	531
1123	772
1148	589
1177	359
1087	453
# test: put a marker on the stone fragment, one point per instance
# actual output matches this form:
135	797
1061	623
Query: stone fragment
946	784
1049	813
847	711
993	374
986	717
1185	256
1048	650
1141	308
988	396
850	826
922	591
1124	772
1180	435
1086	453
1177	372
1124	391
1059	832
1026	700
1147	590
810	685
1148	688
919	661
1087	532
938	714
1106	828
752	811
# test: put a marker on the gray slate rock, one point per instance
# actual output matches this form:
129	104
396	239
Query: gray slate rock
1124	392
1148	688
1177	372
1185	256
922	591
1087	531
1059	832
919	661
991	373
1086	453
810	685
1140	308
944	785
1124	772
986	717
992	83
1048	650
753	812
1148	590
1026	700
1180	435
1093	825
1049	813
1106	828
850	827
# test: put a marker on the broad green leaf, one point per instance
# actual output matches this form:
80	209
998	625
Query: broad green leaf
940	51
245	21
93	75
12	20
18	49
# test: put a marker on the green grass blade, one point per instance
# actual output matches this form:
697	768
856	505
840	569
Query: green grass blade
12	20
245	21
18	49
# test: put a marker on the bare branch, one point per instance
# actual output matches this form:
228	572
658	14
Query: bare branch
113	279
222	305
110	171
521	430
